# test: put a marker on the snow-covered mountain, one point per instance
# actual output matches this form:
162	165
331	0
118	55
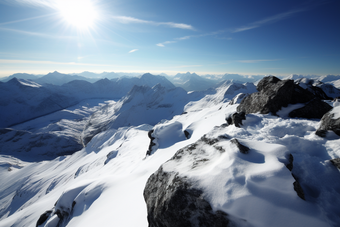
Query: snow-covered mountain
109	75
24	76
241	78
165	157
57	78
317	86
192	82
23	100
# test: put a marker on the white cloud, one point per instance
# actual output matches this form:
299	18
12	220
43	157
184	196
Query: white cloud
128	20
164	43
134	50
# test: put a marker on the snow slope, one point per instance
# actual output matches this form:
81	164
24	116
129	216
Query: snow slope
102	184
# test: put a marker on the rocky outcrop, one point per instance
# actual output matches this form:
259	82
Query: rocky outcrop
296	184
152	144
313	109
273	95
55	217
172	201
336	162
43	218
236	119
330	122
243	149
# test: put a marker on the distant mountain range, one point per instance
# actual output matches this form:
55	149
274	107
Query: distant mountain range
188	81
21	99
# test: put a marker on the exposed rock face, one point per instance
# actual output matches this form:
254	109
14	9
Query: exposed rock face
336	162
236	119
330	122
152	144
43	217
313	109
243	149
296	184
273	95
173	202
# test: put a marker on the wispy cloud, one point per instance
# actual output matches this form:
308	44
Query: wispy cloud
11	61
134	50
164	43
269	20
257	60
129	20
39	3
188	37
26	19
256	24
37	34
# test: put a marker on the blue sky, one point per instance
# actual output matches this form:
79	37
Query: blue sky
245	37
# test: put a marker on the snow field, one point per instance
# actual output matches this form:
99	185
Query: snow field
106	179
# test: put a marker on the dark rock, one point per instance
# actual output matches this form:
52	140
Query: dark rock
321	133
266	82
152	144
64	214
296	184
273	95
109	157
336	162
298	188
328	122
236	119
223	137
187	134
43	217
290	164
243	149
209	141
172	201
313	109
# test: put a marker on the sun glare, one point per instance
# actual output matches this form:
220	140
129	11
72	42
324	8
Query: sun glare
79	13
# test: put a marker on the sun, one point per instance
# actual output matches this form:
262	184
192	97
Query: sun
79	13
